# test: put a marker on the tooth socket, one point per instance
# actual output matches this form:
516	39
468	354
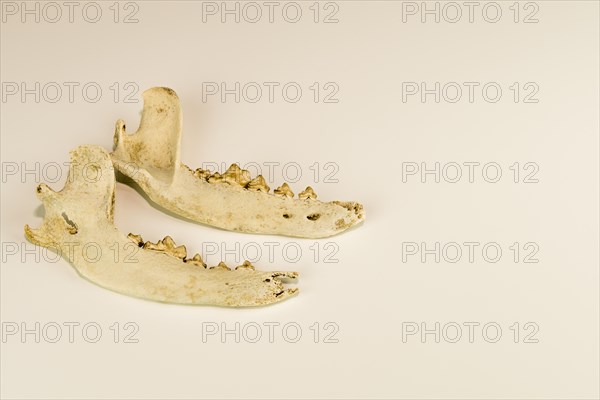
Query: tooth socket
308	193
258	184
284	190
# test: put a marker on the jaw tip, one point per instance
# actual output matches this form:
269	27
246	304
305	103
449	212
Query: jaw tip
287	293
355	209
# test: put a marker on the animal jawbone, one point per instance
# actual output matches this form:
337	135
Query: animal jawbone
80	217
232	200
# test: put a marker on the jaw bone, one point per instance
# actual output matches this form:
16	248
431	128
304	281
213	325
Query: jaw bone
79	224
232	200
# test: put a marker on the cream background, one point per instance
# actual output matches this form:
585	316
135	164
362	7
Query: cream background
369	133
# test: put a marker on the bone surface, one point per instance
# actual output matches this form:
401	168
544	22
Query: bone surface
78	223
233	200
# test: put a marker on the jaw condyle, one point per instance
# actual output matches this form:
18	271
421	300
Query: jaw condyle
80	217
232	200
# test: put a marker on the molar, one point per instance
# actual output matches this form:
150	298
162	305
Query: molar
284	190
308	193
221	265
196	260
235	174
258	184
245	265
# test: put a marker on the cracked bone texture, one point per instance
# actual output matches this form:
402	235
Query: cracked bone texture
232	200
82	214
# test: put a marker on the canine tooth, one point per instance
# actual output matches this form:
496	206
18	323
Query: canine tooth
258	184
284	190
245	265
308	193
88	205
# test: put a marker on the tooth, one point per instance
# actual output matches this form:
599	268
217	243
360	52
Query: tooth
284	190
258	184
235	174
167	245
151	246
308	193
168	242
176	251
233	168
197	260
202	173
245	265
221	265
137	239
244	177
216	177
180	252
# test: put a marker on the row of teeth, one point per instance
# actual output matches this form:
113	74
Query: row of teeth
238	176
167	245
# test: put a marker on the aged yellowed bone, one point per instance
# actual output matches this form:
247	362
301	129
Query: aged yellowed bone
78	223
232	200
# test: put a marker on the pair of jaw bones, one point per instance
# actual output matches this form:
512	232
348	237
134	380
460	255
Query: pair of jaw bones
81	215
